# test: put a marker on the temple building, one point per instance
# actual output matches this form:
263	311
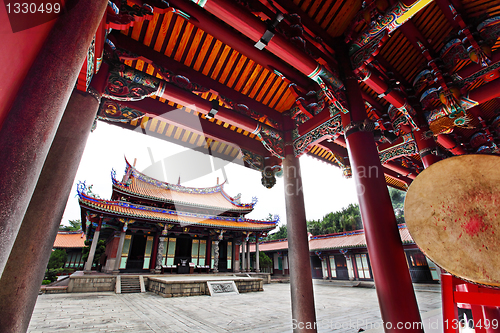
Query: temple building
153	226
344	256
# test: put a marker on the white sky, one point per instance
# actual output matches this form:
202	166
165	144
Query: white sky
325	189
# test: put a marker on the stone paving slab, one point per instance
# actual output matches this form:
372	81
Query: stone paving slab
338	309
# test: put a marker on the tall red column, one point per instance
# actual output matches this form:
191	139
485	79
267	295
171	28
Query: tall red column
392	279
301	288
31	124
30	253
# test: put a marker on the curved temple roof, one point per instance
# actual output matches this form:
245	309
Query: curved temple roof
141	185
127	209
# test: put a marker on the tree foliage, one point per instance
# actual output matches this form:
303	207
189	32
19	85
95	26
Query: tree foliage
55	266
99	250
57	259
348	218
398	203
264	260
280	234
74	225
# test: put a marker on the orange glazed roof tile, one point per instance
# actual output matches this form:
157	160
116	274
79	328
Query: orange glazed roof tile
349	240
141	212
140	185
69	239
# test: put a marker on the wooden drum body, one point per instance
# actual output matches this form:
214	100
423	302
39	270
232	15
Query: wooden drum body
452	210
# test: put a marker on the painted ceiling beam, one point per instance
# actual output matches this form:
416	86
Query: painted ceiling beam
178	68
195	124
392	20
206	22
249	25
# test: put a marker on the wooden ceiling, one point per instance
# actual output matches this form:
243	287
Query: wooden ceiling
323	23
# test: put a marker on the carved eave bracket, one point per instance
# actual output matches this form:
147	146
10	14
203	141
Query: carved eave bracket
327	130
406	147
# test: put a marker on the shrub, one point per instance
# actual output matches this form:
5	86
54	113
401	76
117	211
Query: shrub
57	259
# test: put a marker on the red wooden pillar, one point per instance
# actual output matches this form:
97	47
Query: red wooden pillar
31	124
390	272
152	264
450	311
236	257
301	288
30	253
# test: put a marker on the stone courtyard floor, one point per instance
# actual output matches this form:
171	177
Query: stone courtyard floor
338	309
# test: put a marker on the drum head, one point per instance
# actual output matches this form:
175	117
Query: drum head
452	210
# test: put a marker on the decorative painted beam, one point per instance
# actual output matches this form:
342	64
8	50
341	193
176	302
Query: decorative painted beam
394	18
326	130
254	109
406	147
121	112
128	84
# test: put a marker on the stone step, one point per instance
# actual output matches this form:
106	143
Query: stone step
130	284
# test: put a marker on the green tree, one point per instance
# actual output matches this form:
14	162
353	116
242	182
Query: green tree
280	234
398	203
99	250
348	218
55	266
264	260
74	225
57	259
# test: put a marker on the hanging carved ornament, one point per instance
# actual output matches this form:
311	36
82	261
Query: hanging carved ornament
268	178
272	140
347	171
114	112
328	129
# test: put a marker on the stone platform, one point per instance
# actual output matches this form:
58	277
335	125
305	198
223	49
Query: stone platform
196	285
168	285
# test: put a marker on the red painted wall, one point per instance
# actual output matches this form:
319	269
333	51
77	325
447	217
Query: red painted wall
17	53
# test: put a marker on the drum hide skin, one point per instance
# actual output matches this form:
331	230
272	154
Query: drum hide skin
452	212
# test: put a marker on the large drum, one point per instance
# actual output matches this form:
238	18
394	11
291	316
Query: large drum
452	210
